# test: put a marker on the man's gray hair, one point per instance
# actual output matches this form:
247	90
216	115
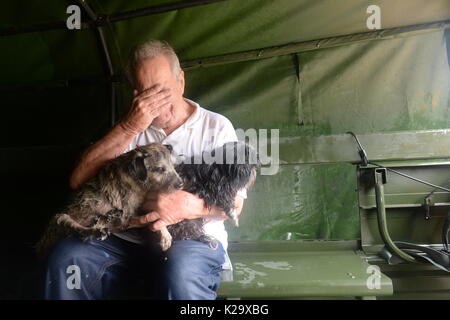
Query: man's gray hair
148	50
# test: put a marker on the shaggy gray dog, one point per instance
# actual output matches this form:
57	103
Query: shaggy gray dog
107	202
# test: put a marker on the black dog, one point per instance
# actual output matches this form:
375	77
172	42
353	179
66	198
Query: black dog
215	177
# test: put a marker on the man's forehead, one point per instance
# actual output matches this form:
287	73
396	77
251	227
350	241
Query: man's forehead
153	70
156	64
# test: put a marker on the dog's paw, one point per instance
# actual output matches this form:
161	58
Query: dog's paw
105	234
165	241
100	234
165	244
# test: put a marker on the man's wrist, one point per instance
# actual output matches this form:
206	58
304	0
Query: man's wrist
126	129
197	205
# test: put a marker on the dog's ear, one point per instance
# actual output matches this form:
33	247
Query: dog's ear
137	168
168	147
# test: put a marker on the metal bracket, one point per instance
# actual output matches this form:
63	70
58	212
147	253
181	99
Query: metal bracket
427	205
362	153
382	171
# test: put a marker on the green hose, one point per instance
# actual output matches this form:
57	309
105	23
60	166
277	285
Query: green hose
382	224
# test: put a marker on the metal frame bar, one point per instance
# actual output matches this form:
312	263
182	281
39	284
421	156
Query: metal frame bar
96	22
292	48
158	9
106	19
288	49
107	57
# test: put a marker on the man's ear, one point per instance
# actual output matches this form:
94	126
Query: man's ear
137	168
181	81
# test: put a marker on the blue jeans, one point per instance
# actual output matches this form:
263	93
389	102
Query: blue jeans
114	268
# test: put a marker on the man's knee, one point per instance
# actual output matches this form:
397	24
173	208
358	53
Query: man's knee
79	269
68	250
193	255
192	270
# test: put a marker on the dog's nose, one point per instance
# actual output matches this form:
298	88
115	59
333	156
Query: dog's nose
180	184
168	146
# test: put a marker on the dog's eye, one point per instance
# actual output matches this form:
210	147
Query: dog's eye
159	170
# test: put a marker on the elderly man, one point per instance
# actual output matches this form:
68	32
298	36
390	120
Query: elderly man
159	113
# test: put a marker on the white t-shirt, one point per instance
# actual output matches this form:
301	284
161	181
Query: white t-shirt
203	131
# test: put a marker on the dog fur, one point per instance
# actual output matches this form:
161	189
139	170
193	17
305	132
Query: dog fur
107	202
217	183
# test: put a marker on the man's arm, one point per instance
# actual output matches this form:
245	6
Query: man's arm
171	208
109	147
145	107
